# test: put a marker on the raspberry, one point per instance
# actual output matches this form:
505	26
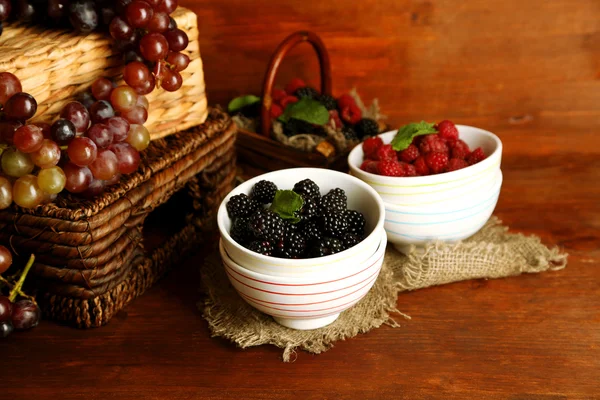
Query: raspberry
277	95
367	127
276	111
409	154
335	117
386	152
456	164
370	147
306	92
329	102
421	166
241	205
476	156
264	192
389	168
294	85
351	114
407	169
460	150
370	166
432	143
447	130
345	100
288	100
436	161
307	188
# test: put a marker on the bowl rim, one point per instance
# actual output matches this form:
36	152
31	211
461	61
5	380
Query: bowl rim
307	278
222	214
446	177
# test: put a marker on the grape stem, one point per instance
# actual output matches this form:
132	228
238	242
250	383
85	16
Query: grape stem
16	290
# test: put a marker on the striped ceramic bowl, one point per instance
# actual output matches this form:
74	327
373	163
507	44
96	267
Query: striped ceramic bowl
450	188
306	302
406	226
361	197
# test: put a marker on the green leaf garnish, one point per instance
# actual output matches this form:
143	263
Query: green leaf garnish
308	110
407	133
287	204
241	102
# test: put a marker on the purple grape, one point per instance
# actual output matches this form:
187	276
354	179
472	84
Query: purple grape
6	329
5	309
25	315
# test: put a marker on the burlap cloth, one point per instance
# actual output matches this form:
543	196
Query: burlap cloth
491	253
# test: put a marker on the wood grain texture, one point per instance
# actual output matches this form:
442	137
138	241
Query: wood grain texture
529	70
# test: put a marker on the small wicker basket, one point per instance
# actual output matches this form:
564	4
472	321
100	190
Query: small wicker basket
91	256
54	66
260	149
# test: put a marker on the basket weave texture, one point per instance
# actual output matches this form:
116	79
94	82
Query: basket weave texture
91	257
55	66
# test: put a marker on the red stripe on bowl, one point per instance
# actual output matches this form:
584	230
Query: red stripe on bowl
227	268
303	284
307	304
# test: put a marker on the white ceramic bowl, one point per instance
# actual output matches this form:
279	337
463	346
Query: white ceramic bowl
450	188
361	197
406	226
308	302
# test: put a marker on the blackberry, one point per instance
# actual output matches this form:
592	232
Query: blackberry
267	225
349	133
356	222
350	240
326	247
292	246
240	231
296	126
241	205
329	102
312	231
263	192
306	93
307	188
367	127
335	200
250	111
310	208
263	247
334	223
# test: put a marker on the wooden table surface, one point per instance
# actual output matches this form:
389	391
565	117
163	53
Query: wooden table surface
527	70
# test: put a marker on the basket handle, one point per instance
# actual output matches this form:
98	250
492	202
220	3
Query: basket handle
290	42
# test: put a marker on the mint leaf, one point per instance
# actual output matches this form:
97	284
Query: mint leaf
308	110
407	133
287	204
241	102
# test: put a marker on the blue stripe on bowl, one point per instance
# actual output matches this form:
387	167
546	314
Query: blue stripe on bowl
486	205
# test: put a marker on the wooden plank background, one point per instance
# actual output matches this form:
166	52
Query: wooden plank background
510	63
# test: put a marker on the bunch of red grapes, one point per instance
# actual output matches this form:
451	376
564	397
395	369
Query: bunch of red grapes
143	30
22	314
86	149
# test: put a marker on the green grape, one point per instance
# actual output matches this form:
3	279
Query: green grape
6	197
138	137
15	163
26	192
52	180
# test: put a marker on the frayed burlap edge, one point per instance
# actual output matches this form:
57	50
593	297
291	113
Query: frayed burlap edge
491	253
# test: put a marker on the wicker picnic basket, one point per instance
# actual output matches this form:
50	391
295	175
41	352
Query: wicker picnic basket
91	256
55	66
